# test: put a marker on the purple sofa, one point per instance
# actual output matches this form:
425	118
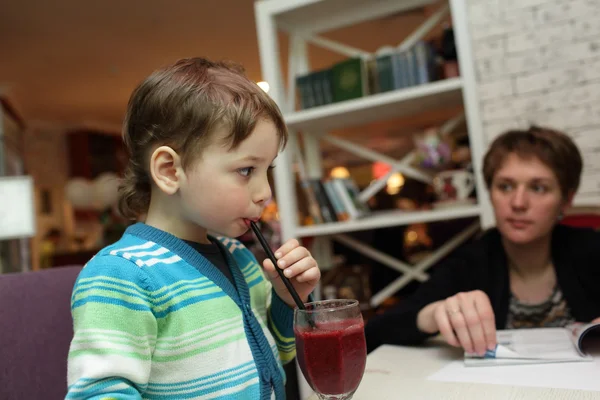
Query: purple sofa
35	332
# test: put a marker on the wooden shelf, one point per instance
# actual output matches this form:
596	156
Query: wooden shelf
384	219
377	107
320	15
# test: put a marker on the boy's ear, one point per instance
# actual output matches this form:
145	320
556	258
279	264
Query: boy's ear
166	169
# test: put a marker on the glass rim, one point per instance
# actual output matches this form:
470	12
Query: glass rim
349	303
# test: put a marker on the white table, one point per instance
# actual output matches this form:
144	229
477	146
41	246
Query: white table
399	373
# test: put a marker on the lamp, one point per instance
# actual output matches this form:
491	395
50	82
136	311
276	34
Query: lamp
17	207
395	183
340	172
98	194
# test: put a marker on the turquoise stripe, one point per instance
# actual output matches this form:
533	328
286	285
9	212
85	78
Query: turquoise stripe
104	280
82	291
237	369
202	392
83	383
103	386
227	381
250	392
110	300
255	282
247	267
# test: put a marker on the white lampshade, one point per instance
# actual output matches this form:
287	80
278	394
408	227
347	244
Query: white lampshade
17	207
340	172
80	193
106	190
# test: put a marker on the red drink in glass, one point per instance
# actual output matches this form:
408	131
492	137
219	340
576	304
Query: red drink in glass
333	354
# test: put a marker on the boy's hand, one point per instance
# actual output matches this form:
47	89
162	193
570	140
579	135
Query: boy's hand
298	266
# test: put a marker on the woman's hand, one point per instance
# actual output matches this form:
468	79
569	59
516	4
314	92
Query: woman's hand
464	320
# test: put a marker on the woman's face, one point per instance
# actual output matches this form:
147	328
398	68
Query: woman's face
527	199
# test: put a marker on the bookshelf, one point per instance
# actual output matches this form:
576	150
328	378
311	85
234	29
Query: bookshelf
384	219
320	15
303	20
394	104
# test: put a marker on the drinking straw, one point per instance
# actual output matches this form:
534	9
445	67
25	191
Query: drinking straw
285	280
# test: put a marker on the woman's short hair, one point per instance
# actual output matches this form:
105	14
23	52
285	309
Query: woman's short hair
553	148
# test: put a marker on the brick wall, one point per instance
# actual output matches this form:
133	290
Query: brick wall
538	61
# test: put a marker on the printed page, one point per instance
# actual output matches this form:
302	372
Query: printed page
549	343
544	344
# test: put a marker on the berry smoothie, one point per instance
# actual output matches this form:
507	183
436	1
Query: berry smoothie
333	355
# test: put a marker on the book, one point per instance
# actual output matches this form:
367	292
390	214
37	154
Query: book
342	214
305	92
325	205
313	206
349	79
538	345
347	192
386	61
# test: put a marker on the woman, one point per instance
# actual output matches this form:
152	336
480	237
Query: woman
529	271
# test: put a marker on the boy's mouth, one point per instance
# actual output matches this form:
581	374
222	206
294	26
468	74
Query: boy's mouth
248	220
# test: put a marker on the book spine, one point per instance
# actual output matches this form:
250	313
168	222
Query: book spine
313	206
342	191
325	206
338	206
354	193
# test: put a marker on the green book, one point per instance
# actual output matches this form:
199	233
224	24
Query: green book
349	80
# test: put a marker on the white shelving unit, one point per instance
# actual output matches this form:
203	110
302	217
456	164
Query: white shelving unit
381	106
385	219
303	20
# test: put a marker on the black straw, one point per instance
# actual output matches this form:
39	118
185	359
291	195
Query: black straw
285	280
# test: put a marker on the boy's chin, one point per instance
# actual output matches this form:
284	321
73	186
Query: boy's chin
233	231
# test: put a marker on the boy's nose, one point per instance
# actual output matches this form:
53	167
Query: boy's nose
263	193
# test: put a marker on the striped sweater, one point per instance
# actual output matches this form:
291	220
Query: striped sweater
153	319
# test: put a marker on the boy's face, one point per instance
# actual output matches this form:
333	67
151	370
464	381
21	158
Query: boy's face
225	189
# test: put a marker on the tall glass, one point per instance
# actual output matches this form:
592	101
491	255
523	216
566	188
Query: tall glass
332	352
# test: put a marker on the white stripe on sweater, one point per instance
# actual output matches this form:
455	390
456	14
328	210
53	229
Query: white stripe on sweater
225	357
202	331
146	245
158	252
191	347
173	259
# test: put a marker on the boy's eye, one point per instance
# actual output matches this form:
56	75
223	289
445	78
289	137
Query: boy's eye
539	188
246	171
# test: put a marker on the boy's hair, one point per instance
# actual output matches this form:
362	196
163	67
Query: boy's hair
553	148
181	106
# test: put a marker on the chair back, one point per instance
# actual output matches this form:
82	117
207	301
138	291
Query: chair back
36	329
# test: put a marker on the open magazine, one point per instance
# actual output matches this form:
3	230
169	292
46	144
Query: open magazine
538	345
